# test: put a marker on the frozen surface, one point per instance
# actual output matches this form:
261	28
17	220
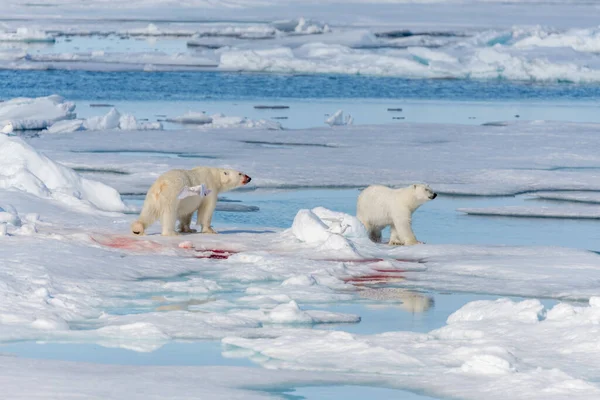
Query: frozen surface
261	289
516	350
576	197
26	170
521	41
26	35
581	212
222	121
514	158
34	113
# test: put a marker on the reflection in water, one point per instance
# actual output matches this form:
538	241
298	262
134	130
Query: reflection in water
408	300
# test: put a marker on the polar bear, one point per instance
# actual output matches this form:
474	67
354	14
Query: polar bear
171	197
379	206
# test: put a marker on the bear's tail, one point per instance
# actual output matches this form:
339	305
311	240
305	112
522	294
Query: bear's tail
147	218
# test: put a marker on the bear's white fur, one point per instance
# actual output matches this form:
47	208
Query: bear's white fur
379	206
162	201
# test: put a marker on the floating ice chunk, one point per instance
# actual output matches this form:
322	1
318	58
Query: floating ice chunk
300	280
34	113
308	228
310	27
127	122
3	229
575	212
109	121
10	218
289	313
149	126
23	168
301	26
66	126
528	311
595	302
191	117
221	121
488	364
348	225
582	40
7	128
26	35
338	119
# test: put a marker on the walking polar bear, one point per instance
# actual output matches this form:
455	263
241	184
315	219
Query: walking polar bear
379	206
178	193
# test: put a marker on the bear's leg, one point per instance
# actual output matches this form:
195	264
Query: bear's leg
205	212
184	224
395	239
375	234
167	221
402	233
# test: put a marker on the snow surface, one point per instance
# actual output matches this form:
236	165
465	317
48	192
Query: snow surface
454	159
26	35
89	281
580	212
34	113
222	121
24	169
576	197
520	41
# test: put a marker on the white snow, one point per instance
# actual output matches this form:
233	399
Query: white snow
222	121
264	299
24	169
34	113
577	197
453	159
580	212
70	271
387	40
337	118
495	349
26	35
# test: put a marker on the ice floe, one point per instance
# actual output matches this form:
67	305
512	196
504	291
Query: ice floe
25	169
453	159
489	348
222	121
579	212
34	113
26	35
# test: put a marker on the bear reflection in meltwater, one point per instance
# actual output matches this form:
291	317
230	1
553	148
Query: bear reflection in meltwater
406	299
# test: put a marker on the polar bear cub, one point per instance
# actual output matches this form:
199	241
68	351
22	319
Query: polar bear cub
379	206
178	193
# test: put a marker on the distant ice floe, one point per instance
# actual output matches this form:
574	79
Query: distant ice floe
222	121
576	197
26	35
338	118
577	212
522	53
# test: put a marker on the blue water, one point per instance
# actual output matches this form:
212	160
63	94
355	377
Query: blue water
436	222
195	86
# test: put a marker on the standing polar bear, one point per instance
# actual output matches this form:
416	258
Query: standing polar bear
178	193
379	206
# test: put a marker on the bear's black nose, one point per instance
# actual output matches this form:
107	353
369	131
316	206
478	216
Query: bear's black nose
434	196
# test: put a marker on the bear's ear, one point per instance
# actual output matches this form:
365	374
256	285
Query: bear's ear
414	186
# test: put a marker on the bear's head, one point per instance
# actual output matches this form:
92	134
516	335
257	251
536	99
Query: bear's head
423	193
230	178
